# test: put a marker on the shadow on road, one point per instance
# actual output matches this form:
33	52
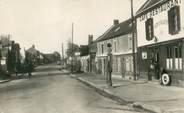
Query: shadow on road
40	75
116	108
21	87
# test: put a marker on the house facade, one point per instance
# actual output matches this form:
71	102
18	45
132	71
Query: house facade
120	37
160	37
92	54
84	58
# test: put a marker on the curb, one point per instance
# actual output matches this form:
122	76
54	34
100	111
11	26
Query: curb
4	81
111	95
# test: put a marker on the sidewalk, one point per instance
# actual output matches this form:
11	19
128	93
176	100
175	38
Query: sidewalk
146	95
13	77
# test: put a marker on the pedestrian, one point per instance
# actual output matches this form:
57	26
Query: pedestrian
109	66
29	68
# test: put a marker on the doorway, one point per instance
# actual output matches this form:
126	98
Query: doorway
156	63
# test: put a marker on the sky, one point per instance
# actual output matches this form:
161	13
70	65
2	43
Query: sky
48	23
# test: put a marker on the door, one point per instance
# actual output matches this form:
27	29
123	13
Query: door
156	63
123	67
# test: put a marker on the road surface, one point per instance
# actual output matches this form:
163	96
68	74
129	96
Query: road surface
53	91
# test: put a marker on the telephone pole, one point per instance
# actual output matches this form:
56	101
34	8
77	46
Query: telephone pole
62	52
72	49
133	41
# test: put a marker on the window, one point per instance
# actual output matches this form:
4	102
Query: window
174	20
149	29
115	47
169	60
178	58
174	57
102	48
169	52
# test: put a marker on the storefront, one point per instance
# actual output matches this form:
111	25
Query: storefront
160	36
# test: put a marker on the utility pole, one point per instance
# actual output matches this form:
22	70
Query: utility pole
72	50
133	41
62	52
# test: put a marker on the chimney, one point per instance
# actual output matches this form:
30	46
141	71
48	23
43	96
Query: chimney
33	46
116	22
90	39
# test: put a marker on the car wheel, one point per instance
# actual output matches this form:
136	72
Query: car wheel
166	79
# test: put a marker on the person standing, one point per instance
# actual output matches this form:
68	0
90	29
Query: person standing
109	66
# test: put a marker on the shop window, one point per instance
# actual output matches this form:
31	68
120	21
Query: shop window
174	58
174	20
178	58
169	59
149	29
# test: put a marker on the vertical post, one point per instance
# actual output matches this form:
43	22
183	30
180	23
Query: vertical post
109	66
62	52
72	50
133	41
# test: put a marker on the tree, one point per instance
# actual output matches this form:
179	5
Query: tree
71	52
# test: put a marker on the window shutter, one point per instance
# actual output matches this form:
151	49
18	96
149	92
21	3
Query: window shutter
152	29
149	29
178	17
170	21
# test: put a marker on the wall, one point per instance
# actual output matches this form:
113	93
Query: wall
161	29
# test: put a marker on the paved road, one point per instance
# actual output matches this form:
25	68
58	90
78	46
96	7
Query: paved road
53	91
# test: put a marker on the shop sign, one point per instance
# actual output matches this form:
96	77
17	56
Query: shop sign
3	62
164	7
144	55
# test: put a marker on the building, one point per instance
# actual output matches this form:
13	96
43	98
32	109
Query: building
5	46
84	58
160	36
120	37
10	57
33	55
92	54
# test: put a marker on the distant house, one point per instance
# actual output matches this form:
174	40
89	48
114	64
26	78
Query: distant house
48	58
88	56
84	58
119	35
33	54
160	35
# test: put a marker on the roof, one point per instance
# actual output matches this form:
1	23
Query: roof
116	30
32	50
149	4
